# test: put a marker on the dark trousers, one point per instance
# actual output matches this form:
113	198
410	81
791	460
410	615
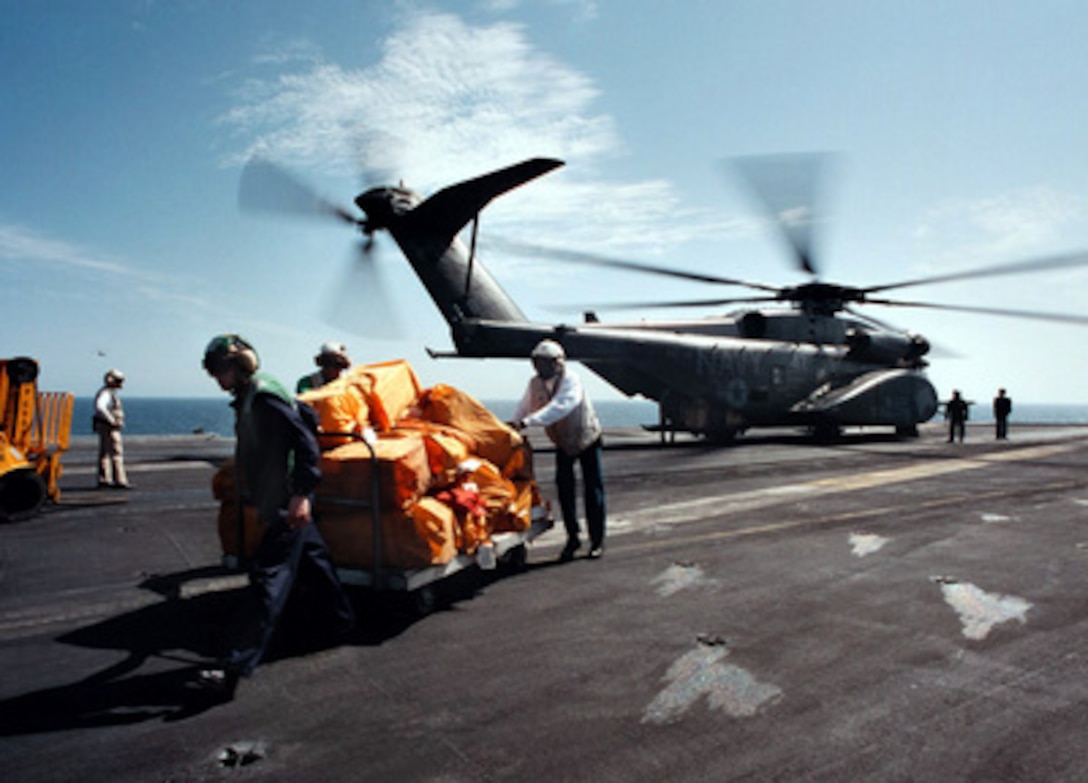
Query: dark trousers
287	559
592	483
956	429
1002	427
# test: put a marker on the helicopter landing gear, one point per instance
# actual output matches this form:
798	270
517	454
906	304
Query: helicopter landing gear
906	431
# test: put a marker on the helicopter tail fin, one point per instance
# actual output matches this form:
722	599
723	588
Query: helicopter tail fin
426	232
450	209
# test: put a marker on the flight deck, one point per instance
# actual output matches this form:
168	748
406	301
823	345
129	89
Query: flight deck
871	609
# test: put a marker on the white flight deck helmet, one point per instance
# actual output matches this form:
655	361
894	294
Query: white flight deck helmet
548	349
334	350
114	376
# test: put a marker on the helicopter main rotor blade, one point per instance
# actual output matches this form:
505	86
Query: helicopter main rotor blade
613	306
592	259
1065	261
1035	315
266	187
786	188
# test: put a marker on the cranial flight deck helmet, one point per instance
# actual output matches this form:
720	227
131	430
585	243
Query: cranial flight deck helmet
113	376
226	350
548	349
333	352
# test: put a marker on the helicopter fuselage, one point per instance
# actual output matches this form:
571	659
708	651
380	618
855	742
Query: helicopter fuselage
710	376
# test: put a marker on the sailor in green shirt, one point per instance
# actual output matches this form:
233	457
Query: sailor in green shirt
277	465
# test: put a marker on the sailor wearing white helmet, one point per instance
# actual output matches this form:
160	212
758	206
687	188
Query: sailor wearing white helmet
332	359
109	420
556	400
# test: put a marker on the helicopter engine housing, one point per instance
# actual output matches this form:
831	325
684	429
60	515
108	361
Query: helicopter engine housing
886	348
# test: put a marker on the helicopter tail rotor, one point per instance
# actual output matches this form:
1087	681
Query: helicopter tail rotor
357	301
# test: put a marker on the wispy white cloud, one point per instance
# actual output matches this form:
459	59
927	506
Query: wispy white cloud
1022	222
24	246
448	100
18	243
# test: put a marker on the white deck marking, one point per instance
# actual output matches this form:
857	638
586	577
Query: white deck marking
736	502
700	673
680	576
980	611
863	544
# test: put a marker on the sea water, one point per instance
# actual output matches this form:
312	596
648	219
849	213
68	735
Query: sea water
213	415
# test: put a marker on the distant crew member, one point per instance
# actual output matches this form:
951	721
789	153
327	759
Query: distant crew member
556	400
955	412
277	464
332	359
109	420
1002	409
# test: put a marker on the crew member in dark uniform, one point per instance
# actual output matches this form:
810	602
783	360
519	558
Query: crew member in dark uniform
1002	409
955	411
277	464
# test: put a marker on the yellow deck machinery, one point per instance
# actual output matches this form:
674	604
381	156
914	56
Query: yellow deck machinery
35	428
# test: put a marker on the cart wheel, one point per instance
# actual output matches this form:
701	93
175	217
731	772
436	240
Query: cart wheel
423	600
515	559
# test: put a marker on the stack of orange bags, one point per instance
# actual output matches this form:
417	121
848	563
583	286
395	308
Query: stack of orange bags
448	472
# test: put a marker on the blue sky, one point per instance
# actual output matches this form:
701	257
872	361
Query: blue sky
958	131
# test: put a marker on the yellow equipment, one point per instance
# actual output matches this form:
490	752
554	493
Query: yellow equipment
35	428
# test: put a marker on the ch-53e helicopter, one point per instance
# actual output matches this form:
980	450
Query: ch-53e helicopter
816	364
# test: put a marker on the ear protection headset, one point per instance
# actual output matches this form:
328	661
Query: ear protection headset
231	349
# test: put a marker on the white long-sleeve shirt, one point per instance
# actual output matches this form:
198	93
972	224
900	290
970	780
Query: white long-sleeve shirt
107	407
561	406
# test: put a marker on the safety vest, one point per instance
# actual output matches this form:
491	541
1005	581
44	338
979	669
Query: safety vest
268	492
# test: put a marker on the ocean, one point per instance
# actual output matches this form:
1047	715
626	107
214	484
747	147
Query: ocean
185	416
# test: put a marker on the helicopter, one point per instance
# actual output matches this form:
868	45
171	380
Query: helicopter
817	364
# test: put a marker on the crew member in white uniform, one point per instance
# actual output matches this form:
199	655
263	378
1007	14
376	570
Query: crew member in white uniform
556	400
109	420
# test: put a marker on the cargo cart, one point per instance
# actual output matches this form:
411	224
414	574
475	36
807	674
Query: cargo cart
506	550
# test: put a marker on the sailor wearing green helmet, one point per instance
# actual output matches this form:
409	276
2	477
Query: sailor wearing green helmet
277	465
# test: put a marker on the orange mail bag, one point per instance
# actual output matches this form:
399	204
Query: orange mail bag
389	388
419	536
224	489
341	407
403	471
446	446
495	441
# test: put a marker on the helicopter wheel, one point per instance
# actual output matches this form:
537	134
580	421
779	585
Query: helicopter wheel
907	431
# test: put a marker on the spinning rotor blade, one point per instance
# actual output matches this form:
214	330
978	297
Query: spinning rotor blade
1035	315
663	304
266	187
786	188
358	302
591	259
1065	261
